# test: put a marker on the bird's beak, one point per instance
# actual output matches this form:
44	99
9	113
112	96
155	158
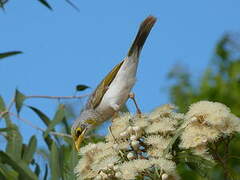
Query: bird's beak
79	140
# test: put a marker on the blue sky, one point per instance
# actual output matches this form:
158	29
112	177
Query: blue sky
63	48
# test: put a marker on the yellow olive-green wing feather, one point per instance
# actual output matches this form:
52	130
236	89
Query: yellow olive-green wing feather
101	89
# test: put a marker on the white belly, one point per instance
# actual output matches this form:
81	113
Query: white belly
120	88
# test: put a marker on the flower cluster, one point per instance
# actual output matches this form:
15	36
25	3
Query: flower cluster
133	148
207	122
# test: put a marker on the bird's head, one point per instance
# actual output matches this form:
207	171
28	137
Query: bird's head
82	125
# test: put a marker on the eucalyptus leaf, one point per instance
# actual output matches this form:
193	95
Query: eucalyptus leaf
41	115
55	162
37	170
3	109
19	99
196	163
48	140
19	166
58	117
30	150
173	140
6	173
81	87
10	53
46	4
46	172
5	129
14	143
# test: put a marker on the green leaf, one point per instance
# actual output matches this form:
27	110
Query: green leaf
41	115
6	173
59	116
3	109
81	87
46	173
14	143
18	165
30	150
48	140
197	163
54	162
46	4
5	129
11	53
19	98
37	169
173	140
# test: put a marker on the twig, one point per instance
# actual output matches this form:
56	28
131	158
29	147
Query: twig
57	97
217	157
38	128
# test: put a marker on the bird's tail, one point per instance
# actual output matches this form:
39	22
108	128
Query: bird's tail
142	35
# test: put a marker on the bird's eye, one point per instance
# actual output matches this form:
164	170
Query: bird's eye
78	132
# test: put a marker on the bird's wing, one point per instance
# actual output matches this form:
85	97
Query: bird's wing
99	92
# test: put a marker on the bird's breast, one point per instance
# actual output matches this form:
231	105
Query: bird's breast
119	89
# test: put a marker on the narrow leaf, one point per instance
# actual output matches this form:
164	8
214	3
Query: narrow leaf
11	53
5	129
173	140
46	173
41	115
6	173
81	87
18	165
14	143
19	98
37	169
196	163
59	116
2	110
46	4
48	140
54	162
30	150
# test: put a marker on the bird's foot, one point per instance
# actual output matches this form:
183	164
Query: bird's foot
132	96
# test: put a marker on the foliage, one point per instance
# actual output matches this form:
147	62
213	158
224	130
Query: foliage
45	3
19	160
220	82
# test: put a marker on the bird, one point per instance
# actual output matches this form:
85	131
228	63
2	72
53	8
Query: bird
113	91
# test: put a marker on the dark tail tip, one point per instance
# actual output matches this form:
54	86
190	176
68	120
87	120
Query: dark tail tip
142	35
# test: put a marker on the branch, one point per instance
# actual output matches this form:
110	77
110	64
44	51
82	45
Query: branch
38	128
57	97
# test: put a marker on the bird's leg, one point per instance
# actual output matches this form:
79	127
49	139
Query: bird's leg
132	96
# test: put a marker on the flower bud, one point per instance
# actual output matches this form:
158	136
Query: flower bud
123	134
133	137
130	155
164	176
115	168
118	174
116	147
135	144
